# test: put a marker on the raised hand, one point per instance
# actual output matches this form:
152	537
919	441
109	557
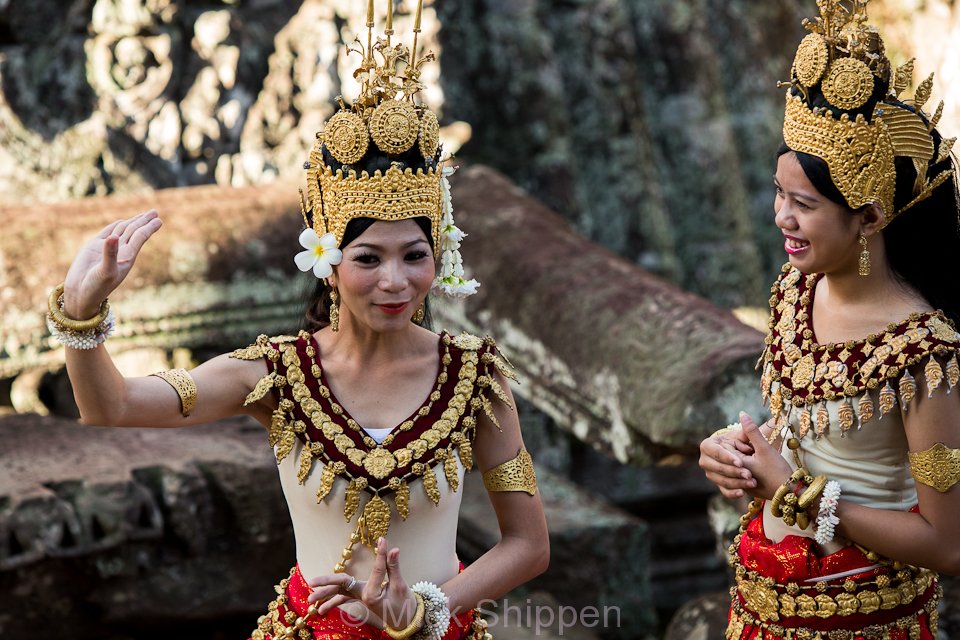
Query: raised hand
385	593
103	263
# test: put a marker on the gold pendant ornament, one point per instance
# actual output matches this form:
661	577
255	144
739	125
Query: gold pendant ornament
420	314
937	467
334	310
864	264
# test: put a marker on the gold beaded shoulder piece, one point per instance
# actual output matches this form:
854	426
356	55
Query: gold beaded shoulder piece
433	437
798	374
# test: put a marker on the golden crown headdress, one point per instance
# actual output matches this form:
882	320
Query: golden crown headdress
384	118
843	58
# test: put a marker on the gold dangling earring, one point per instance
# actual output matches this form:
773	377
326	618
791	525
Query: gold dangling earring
334	310
419	314
864	256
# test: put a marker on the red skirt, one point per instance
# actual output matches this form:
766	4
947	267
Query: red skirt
337	624
772	599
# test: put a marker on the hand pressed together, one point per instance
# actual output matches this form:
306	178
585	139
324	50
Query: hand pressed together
741	462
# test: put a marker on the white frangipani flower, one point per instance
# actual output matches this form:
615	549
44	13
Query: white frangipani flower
450	281
321	253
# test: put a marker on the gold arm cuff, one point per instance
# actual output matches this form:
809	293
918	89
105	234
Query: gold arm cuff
69	324
513	475
937	467
415	625
183	384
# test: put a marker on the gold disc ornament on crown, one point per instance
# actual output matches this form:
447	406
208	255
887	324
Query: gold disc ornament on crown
429	134
346	137
849	83
810	63
394	126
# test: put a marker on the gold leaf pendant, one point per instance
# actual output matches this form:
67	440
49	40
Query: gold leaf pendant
466	454
376	517
264	385
401	498
430	485
823	420
326	482
933	375
908	389
845	415
451	471
953	373
352	497
888	400
864	409
805	423
306	462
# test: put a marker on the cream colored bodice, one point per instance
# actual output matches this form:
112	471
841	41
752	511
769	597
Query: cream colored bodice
844	401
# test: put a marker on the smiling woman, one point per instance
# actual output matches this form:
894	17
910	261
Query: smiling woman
853	514
374	418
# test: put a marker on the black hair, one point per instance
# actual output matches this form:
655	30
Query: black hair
317	295
923	242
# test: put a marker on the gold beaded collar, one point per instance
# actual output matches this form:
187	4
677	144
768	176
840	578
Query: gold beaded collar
799	374
442	429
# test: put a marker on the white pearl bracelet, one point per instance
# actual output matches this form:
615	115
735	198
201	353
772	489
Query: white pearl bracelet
436	616
827	519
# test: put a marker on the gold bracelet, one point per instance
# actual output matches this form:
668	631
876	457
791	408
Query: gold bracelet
69	324
516	474
812	492
777	498
183	384
937	467
415	625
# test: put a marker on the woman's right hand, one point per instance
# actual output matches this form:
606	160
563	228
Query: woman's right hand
103	263
721	458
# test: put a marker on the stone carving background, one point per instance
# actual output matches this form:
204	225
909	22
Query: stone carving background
650	124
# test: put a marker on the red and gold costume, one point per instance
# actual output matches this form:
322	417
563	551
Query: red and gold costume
373	484
838	408
840	401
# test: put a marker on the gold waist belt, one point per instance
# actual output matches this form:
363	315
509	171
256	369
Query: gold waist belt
770	601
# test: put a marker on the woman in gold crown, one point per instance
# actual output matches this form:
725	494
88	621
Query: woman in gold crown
373	417
854	477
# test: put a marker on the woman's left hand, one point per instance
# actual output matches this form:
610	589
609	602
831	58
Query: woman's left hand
768	467
385	593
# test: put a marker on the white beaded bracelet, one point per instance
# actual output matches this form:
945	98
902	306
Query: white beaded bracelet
436	617
827	519
83	340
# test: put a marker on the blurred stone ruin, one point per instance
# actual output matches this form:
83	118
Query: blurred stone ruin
645	126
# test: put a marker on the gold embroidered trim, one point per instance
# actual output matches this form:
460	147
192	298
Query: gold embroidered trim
182	382
937	467
516	474
457	421
801	375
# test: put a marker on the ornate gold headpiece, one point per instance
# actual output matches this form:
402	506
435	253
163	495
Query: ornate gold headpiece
844	59
383	118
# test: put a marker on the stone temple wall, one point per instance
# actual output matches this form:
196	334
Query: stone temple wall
651	125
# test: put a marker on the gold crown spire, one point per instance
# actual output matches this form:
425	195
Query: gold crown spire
385	118
843	58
